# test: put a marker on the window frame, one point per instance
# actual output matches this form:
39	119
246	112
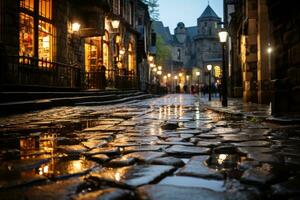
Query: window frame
38	19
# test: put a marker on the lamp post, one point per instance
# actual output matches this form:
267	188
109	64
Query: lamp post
169	82
209	67
198	77
223	34
269	50
115	26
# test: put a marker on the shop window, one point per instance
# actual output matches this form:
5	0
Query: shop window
93	57
27	4
26	35
41	39
45	8
46	41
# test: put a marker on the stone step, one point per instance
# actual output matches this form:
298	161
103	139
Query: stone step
25	106
29	96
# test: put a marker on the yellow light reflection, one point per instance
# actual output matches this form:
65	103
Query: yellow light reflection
222	158
117	176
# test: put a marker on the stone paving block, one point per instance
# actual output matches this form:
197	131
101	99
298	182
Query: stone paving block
143	148
121	162
106	194
62	189
72	149
92	144
187	181
259	175
197	167
265	158
132	176
187	150
257	143
175	143
168	192
99	158
172	161
146	156
103	150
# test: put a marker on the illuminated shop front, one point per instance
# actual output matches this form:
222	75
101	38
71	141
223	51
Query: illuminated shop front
37	32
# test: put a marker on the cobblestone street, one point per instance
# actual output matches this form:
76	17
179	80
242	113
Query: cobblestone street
169	147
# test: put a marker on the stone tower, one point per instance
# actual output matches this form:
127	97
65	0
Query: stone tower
208	47
180	32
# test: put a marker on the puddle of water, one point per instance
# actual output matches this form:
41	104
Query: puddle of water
227	163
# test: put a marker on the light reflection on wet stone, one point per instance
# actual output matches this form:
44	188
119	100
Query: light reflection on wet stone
38	148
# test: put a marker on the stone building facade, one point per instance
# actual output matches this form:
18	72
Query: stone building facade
285	40
264	51
64	44
193	48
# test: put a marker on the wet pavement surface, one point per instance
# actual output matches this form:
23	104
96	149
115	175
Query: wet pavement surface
163	148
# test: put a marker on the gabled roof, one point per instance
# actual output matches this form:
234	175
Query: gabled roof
164	32
209	13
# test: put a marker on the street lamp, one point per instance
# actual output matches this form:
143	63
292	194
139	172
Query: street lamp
115	58
209	67
269	50
198	75
75	27
115	24
223	35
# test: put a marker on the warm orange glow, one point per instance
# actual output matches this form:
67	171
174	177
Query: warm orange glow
75	27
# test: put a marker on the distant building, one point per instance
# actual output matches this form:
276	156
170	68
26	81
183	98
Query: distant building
193	48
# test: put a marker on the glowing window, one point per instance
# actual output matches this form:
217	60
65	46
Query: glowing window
45	8
130	57
27	4
46	41
26	35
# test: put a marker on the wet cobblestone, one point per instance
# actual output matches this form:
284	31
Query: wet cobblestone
162	148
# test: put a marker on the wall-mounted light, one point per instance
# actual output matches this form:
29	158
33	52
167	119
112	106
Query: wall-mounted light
165	77
175	77
119	65
150	58
159	68
209	67
223	34
169	75
269	50
115	24
180	74
122	51
197	73
75	27
155	69
159	73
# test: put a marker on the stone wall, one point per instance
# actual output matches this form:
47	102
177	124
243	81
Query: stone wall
285	21
9	27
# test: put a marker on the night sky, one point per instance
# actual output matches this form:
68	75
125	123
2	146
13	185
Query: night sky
186	11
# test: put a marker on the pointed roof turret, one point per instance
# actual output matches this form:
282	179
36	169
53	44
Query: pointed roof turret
209	13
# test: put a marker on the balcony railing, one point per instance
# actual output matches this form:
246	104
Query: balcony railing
126	79
29	71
